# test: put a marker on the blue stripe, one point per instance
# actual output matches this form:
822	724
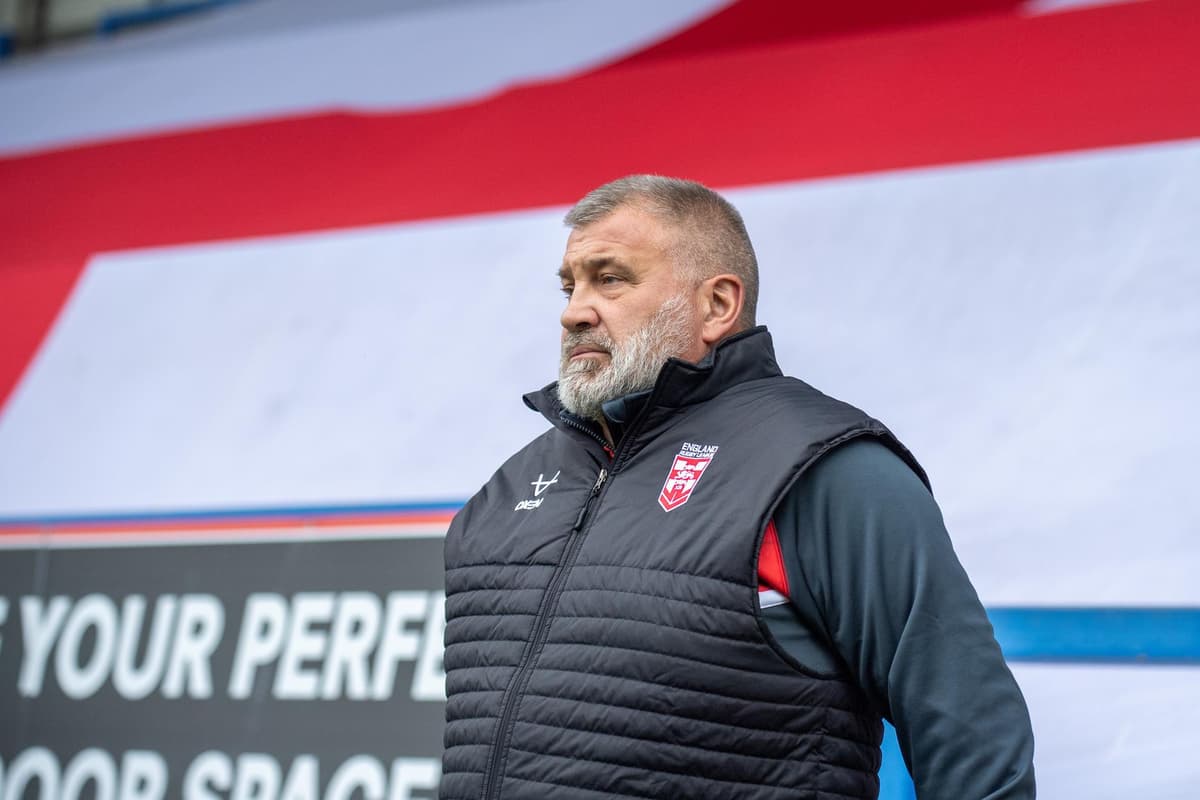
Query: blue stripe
266	512
1129	635
1099	635
894	782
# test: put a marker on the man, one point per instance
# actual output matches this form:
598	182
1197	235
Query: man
707	580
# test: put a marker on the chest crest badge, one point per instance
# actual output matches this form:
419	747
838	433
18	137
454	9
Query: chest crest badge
686	471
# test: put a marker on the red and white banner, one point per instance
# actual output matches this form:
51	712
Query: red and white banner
252	263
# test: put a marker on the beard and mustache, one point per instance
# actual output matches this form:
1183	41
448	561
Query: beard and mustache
584	386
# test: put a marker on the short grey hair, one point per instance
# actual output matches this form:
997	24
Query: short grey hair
711	238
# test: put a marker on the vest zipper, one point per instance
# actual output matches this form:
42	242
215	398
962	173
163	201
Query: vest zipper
591	434
541	628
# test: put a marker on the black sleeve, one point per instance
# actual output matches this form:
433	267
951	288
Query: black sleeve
866	552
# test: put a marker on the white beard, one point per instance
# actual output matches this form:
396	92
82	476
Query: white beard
584	386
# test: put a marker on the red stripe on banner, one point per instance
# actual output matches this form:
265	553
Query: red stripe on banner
986	88
31	295
751	23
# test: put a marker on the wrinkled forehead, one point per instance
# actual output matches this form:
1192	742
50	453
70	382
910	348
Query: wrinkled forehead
627	235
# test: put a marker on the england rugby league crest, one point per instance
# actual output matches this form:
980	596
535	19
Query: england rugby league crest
686	471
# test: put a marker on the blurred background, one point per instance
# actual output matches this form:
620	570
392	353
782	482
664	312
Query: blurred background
274	275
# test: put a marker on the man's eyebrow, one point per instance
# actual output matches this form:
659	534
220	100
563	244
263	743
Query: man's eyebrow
590	263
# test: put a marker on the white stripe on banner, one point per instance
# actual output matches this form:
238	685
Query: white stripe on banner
1027	327
1059	6
1114	733
210	71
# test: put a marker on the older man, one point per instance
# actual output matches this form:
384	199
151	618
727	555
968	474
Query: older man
707	580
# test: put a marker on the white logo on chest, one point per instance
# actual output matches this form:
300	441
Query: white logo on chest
539	488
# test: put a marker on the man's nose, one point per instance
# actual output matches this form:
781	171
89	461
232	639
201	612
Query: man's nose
580	312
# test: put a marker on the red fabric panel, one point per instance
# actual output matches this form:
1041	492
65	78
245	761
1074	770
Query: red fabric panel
771	574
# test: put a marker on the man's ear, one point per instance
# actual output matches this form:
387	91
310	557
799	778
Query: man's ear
721	302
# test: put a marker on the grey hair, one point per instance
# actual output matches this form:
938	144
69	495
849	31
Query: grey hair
711	238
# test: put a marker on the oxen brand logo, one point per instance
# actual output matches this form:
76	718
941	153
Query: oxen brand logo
539	488
686	471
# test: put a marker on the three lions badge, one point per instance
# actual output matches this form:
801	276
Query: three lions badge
686	471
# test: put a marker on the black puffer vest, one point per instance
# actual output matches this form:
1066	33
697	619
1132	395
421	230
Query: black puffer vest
603	637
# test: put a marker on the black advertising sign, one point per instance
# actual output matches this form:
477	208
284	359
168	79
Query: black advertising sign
280	668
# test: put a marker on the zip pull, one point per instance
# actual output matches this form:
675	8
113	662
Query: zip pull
600	479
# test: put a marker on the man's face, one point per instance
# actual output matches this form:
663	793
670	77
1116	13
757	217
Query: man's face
627	312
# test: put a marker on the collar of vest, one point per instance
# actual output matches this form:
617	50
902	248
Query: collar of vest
745	356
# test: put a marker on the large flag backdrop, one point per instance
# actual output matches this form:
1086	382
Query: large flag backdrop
272	282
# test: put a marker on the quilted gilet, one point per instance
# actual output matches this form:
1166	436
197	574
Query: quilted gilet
599	645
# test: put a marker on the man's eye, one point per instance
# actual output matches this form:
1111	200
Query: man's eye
609	279
566	290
